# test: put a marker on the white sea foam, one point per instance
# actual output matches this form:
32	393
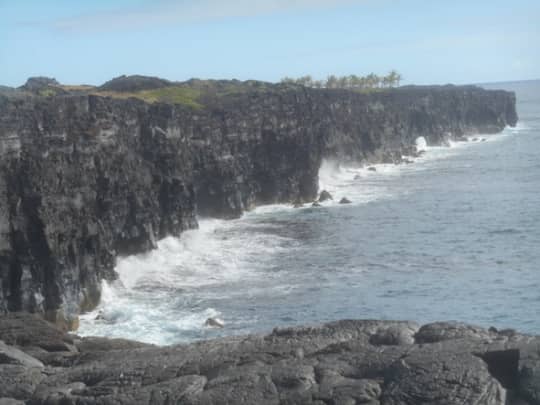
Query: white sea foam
157	297
421	144
520	127
363	184
358	184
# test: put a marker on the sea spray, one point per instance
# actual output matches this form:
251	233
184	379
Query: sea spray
420	144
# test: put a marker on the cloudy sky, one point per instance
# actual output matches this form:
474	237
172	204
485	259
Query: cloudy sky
428	41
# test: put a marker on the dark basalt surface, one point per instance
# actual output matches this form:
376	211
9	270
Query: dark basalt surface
85	178
343	362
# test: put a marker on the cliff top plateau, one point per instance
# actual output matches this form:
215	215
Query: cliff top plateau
194	93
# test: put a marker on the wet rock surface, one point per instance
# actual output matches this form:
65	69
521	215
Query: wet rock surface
343	362
85	178
325	196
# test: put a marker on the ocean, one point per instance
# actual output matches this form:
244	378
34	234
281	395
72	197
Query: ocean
454	236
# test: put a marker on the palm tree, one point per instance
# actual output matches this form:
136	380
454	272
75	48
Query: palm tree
372	80
305	81
331	82
394	77
288	80
343	82
362	82
399	78
354	81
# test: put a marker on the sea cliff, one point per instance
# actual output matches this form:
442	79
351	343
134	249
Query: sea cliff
86	176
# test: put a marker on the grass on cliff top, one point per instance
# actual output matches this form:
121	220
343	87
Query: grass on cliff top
172	95
76	87
194	93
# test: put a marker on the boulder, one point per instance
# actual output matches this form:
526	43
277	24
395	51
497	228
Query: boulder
391	335
325	196
214	323
441	331
345	200
12	355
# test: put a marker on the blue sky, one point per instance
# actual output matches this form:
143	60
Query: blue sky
428	41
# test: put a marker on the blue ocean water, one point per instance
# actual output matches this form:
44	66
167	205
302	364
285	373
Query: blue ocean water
454	236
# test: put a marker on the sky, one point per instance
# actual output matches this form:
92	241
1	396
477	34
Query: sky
427	41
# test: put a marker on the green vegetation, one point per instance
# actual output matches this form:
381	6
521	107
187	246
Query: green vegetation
369	82
76	87
47	92
173	94
197	93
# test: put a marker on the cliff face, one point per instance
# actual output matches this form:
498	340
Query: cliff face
86	178
379	127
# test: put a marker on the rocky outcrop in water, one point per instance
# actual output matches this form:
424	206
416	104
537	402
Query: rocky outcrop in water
344	362
85	178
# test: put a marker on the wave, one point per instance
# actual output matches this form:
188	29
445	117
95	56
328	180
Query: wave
159	296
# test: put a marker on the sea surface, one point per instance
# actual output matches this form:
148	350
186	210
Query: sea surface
454	236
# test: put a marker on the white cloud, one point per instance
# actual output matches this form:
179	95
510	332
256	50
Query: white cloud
166	12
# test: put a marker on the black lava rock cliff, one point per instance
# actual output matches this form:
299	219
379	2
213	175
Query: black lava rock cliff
85	177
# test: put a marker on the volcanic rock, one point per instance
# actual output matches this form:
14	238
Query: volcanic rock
349	361
214	323
325	196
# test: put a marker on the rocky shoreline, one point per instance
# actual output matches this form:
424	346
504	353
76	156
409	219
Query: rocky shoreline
343	362
87	175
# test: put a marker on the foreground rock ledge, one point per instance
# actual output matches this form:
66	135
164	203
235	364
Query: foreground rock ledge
343	362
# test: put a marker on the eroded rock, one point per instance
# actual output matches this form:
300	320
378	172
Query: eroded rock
377	362
325	196
214	323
